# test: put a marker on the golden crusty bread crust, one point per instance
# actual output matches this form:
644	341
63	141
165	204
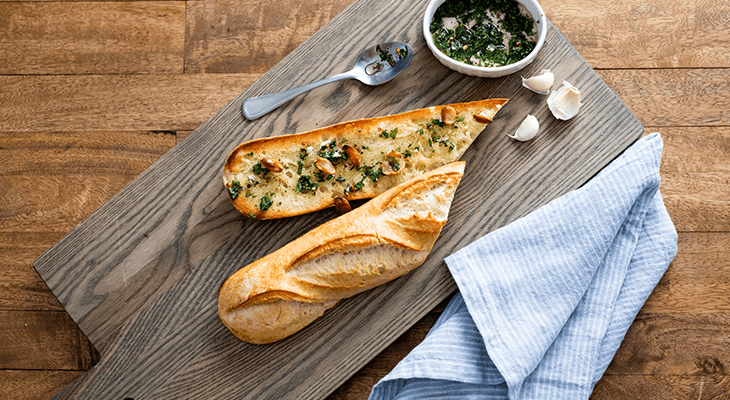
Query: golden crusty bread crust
279	177
390	235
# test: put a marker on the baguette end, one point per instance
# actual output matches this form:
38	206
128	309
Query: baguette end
273	321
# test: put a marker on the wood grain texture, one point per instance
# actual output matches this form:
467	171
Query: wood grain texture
91	38
674	344
226	36
41	201
49	328
193	240
658	98
114	102
180	135
34	384
646	34
21	289
696	177
696	282
661	387
78	173
669	97
360	384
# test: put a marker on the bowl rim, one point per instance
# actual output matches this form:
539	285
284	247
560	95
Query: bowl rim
485	71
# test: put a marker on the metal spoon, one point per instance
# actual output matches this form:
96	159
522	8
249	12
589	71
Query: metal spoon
374	66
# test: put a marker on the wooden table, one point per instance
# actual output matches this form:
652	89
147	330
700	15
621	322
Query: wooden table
92	93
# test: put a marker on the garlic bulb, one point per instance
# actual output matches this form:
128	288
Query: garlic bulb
564	103
527	130
541	83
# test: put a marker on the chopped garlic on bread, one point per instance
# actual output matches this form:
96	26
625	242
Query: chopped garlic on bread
294	174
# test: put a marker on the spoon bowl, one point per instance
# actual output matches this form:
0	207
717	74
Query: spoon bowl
374	66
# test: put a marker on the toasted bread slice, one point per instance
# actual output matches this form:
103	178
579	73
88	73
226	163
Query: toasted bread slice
290	175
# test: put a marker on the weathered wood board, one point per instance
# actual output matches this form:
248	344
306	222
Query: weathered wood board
140	275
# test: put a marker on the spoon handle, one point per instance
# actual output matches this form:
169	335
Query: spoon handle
256	107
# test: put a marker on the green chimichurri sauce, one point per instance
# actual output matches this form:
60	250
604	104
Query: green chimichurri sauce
486	33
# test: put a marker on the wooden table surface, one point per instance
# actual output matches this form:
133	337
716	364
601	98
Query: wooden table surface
92	93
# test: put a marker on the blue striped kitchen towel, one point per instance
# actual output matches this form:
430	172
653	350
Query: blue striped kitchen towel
544	302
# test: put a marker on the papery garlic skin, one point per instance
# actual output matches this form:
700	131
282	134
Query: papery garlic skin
527	129
565	103
540	83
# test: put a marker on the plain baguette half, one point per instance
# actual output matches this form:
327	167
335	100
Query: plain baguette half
390	235
279	177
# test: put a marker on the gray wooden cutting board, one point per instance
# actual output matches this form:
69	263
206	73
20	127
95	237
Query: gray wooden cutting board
140	275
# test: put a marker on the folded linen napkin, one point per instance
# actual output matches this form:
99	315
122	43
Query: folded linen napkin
544	302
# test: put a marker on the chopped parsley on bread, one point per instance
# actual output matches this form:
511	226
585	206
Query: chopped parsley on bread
289	175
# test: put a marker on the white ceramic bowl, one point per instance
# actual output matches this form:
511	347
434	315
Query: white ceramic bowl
486	72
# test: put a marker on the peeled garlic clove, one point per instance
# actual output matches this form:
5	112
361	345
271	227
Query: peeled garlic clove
564	103
541	83
527	130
